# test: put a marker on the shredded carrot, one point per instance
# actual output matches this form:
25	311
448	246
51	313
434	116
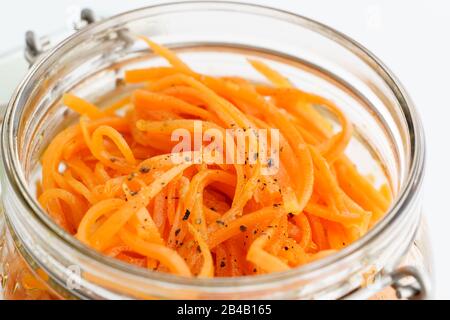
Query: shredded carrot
262	258
207	268
116	181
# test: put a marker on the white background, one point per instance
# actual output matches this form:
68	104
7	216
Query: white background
411	37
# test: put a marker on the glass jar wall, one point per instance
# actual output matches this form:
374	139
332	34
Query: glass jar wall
388	144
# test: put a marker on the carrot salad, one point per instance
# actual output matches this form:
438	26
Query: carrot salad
112	182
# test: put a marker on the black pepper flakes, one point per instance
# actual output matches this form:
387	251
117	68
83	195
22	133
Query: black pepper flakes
144	169
243	228
177	232
186	215
222	264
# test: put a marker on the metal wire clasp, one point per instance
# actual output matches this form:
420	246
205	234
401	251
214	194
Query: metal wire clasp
408	282
35	46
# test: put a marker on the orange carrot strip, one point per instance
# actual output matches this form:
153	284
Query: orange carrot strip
166	256
117	181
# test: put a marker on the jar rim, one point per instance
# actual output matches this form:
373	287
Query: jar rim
406	196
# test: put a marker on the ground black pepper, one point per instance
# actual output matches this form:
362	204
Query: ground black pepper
186	215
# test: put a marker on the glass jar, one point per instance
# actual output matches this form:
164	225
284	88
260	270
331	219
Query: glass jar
40	260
